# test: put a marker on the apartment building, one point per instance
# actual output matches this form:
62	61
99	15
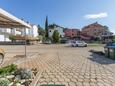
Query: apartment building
96	30
72	33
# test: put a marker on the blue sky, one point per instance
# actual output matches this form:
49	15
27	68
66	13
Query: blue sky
67	13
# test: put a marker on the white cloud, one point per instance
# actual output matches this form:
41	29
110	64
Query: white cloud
96	16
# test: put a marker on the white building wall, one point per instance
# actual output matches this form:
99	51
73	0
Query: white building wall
17	33
7	39
8	30
4	34
35	31
30	32
51	31
27	31
13	31
2	38
59	29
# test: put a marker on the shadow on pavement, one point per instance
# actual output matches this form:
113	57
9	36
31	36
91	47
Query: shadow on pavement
101	59
19	56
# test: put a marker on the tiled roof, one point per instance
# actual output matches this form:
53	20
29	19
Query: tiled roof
93	25
51	26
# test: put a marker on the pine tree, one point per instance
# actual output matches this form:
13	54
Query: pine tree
46	28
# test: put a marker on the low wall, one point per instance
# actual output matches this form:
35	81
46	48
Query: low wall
13	43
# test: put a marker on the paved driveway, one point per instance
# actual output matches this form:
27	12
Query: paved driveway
76	67
60	64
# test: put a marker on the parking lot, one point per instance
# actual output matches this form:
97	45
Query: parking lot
62	64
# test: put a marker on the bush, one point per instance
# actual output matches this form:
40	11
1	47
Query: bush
40	38
8	69
12	37
47	40
24	74
4	83
56	37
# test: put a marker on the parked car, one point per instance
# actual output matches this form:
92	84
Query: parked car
2	53
78	44
47	42
110	44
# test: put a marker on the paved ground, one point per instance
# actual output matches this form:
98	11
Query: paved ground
60	64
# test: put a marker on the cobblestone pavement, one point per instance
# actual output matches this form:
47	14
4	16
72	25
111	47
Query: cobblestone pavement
75	68
70	66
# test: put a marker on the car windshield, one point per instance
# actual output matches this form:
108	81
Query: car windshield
80	42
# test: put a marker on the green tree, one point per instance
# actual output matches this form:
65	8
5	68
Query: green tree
41	31
12	37
56	36
46	28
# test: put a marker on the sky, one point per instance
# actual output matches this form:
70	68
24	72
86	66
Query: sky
66	13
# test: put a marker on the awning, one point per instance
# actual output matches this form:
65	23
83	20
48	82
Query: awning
9	21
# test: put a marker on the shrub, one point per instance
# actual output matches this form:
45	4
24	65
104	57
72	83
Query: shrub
8	69
56	36
12	37
4	83
47	40
24	73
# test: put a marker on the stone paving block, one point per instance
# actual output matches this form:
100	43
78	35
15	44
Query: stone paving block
72	84
86	84
100	84
77	67
93	84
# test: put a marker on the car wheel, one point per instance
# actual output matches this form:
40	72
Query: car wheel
85	45
1	58
73	45
76	45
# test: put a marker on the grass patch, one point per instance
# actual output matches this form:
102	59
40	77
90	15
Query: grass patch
4	83
95	45
8	69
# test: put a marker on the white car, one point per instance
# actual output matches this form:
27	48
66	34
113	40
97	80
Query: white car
78	44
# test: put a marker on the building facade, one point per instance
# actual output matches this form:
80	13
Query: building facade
72	33
96	30
6	33
34	31
53	27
